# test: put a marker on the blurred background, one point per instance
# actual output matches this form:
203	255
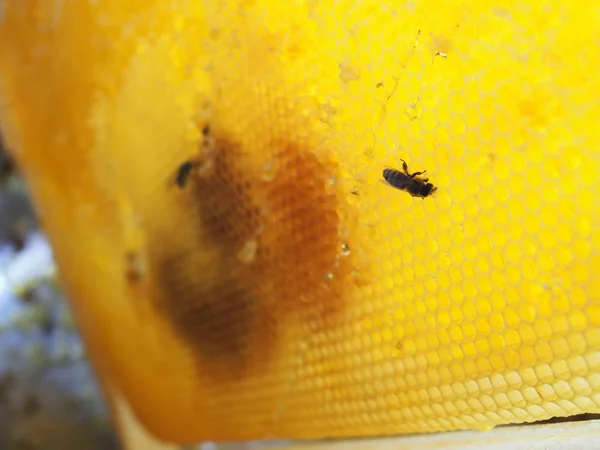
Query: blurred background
49	398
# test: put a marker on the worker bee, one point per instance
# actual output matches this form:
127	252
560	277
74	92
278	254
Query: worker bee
183	172
411	183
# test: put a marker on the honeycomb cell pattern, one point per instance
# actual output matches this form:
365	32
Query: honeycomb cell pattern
285	291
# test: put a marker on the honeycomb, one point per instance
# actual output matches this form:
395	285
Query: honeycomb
280	289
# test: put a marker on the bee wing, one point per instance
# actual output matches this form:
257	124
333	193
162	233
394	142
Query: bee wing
402	182
388	184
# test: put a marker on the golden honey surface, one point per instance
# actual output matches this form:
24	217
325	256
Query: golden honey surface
283	290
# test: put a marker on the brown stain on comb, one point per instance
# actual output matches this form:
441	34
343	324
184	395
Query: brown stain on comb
276	258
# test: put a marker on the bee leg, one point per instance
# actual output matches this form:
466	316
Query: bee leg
404	167
417	173
425	180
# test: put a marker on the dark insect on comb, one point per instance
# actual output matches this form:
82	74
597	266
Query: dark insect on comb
411	183
184	171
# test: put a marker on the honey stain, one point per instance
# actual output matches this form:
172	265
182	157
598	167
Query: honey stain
230	308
